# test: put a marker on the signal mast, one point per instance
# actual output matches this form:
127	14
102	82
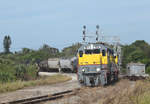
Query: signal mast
90	35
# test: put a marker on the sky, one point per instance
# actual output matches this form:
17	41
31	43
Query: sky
58	23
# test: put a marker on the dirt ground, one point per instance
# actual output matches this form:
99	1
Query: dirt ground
96	95
86	95
40	90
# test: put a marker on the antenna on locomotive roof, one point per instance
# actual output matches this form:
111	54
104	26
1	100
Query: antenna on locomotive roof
97	32
84	32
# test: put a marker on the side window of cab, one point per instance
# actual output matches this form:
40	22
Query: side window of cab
103	53
81	53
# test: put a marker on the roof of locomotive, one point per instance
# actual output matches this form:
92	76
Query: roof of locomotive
94	46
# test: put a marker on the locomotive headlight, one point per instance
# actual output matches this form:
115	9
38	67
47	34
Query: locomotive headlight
98	69
83	70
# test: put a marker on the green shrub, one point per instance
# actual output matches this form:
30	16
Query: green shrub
25	72
31	72
6	77
123	71
148	70
20	72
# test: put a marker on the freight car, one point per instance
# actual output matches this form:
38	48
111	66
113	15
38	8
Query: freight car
136	71
59	65
68	65
54	64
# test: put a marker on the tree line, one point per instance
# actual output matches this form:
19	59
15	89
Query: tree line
21	65
138	51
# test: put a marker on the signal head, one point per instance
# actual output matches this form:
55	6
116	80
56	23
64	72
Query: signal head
97	26
84	27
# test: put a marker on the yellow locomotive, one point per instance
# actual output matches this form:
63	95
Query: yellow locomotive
97	64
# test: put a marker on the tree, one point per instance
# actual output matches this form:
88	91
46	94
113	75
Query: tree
71	50
136	52
26	50
7	43
48	49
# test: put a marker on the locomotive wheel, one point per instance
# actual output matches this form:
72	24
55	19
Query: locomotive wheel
116	77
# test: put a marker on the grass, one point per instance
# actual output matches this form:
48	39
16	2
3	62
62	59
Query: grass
42	81
144	92
137	94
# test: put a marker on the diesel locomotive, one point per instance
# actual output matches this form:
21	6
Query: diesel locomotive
97	64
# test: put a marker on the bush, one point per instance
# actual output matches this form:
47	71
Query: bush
123	71
148	70
25	72
20	72
6	77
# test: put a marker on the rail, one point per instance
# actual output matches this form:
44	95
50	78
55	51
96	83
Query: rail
43	98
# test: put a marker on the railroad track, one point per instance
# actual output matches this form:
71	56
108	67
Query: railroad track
39	99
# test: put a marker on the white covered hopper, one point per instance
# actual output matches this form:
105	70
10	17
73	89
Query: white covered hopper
136	69
53	63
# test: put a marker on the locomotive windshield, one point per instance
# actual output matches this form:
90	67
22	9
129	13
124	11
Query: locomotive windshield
89	51
96	51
